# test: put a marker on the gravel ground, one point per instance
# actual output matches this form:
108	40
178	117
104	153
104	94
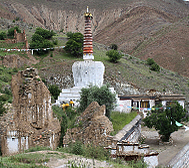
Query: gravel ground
167	152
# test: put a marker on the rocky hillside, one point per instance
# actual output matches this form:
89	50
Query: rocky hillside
146	28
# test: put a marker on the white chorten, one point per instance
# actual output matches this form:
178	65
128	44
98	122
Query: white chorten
87	72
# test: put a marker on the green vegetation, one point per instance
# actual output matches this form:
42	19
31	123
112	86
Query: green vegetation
114	55
153	65
101	95
10	33
89	151
41	39
114	46
74	45
5	80
29	160
119	120
54	90
66	118
165	120
37	148
2	108
3	36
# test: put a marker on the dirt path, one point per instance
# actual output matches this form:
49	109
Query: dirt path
166	152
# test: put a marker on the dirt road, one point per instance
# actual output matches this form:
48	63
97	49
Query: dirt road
166	151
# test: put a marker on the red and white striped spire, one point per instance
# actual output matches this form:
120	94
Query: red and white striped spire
88	39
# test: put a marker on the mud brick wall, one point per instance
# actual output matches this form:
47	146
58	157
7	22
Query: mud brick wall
33	123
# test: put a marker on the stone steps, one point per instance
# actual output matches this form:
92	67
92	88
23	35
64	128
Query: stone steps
67	94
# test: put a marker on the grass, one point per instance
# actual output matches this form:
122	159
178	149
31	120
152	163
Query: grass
24	161
119	120
10	45
37	148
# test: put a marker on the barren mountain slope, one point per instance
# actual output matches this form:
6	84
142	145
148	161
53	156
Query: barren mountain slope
137	27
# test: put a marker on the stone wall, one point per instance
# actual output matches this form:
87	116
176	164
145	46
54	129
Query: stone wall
33	123
131	132
181	159
92	127
18	38
134	151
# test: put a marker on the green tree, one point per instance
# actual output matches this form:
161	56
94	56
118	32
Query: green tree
114	46
153	65
11	31
165	120
114	55
54	90
46	34
102	95
41	39
3	36
74	45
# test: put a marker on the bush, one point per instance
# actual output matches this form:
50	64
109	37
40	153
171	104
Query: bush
2	108
54	90
101	95
114	46
150	61
11	31
4	97
114	55
3	36
77	148
96	152
153	65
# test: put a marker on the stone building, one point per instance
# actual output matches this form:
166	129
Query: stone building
145	103
19	37
32	122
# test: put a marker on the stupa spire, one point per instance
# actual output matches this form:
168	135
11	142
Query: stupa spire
88	39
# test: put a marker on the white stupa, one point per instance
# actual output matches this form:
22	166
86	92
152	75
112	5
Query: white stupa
87	72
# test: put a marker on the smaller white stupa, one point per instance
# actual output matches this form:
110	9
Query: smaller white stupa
87	72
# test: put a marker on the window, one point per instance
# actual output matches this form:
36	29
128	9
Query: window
145	104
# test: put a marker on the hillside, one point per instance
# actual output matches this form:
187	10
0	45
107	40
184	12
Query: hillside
146	28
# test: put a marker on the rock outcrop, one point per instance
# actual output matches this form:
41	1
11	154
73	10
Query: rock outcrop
92	127
33	123
16	61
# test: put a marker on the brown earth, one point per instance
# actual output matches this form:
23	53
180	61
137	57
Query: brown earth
166	151
155	28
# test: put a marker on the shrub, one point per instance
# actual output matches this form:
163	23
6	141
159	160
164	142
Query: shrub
55	91
2	108
114	46
114	55
60	114
77	148
11	31
101	95
150	61
3	36
4	97
155	67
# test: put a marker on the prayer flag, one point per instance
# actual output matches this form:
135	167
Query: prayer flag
178	124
